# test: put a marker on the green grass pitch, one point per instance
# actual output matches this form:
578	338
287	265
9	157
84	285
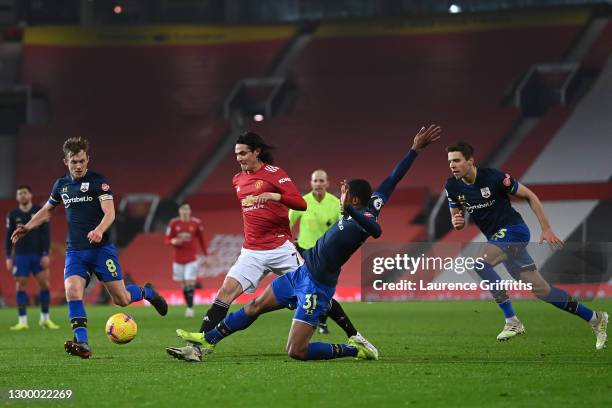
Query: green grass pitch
432	354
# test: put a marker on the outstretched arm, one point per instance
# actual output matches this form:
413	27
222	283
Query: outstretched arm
369	224
422	139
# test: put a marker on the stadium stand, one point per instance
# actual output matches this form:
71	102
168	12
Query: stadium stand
600	52
166	117
420	77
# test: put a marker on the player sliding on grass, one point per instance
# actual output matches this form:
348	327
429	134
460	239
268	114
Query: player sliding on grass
484	194
309	288
90	212
266	193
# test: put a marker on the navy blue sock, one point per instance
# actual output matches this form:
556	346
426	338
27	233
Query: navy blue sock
78	320
22	302
505	304
45	299
561	299
232	323
135	292
326	351
147	292
506	307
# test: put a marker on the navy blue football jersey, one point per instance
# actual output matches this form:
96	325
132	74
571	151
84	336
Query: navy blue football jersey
36	242
344	238
487	200
81	199
339	243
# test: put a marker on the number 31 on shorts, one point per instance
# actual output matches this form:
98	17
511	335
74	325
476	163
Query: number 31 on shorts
311	303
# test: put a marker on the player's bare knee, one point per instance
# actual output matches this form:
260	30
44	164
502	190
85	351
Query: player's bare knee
297	352
43	284
21	284
73	293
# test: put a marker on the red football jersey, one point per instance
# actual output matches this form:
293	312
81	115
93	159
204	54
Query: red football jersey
188	232
266	226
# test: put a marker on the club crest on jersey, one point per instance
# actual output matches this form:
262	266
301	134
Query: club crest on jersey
461	198
84	187
486	193
258	184
378	203
65	189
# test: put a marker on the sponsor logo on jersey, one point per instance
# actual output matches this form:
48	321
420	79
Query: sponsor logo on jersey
84	187
258	184
486	193
470	208
105	187
284	180
248	201
67	200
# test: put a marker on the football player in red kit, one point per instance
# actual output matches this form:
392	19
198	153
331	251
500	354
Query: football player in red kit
185	233
266	193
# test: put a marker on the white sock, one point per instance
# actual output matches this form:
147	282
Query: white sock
44	316
23	319
593	318
512	320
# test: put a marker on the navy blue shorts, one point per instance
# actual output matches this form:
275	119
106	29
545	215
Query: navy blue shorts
513	240
102	262
23	264
298	290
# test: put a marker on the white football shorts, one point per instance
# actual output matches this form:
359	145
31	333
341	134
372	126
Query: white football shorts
185	272
251	266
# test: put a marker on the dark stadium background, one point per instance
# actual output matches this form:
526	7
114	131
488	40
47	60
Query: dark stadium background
162	88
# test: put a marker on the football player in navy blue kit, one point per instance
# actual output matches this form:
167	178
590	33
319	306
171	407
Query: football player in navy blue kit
90	212
310	288
30	255
484	193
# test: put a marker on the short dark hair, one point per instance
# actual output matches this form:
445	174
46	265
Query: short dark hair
24	187
254	141
184	203
361	189
74	145
464	148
